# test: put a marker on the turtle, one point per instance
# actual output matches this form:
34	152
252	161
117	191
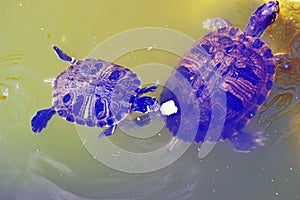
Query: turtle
230	62
95	93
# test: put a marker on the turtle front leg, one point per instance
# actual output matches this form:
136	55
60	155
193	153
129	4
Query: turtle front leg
62	55
146	90
41	118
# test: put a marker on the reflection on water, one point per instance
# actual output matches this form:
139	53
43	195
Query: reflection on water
283	104
55	164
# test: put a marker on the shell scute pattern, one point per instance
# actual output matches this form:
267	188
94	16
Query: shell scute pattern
232	62
96	105
95	93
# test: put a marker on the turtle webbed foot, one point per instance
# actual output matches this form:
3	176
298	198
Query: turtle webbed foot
62	55
41	118
246	142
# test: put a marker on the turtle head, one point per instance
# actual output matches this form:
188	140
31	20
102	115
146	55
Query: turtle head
264	16
144	104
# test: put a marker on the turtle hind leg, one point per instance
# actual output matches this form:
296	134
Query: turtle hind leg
62	55
108	132
41	118
246	142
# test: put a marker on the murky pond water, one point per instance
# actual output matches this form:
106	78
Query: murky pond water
63	162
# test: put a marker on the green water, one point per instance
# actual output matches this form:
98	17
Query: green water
56	164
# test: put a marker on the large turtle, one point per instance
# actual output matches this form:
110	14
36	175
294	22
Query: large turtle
95	93
226	61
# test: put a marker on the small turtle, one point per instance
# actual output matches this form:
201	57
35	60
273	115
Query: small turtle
95	93
226	61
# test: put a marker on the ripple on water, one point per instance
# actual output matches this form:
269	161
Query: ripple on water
280	115
282	107
16	85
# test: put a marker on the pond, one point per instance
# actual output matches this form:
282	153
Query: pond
68	161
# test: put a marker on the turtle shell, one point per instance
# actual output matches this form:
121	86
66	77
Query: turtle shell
94	92
228	62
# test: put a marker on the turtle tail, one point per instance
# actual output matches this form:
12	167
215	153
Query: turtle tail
41	118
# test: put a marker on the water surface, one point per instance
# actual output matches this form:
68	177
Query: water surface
56	164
